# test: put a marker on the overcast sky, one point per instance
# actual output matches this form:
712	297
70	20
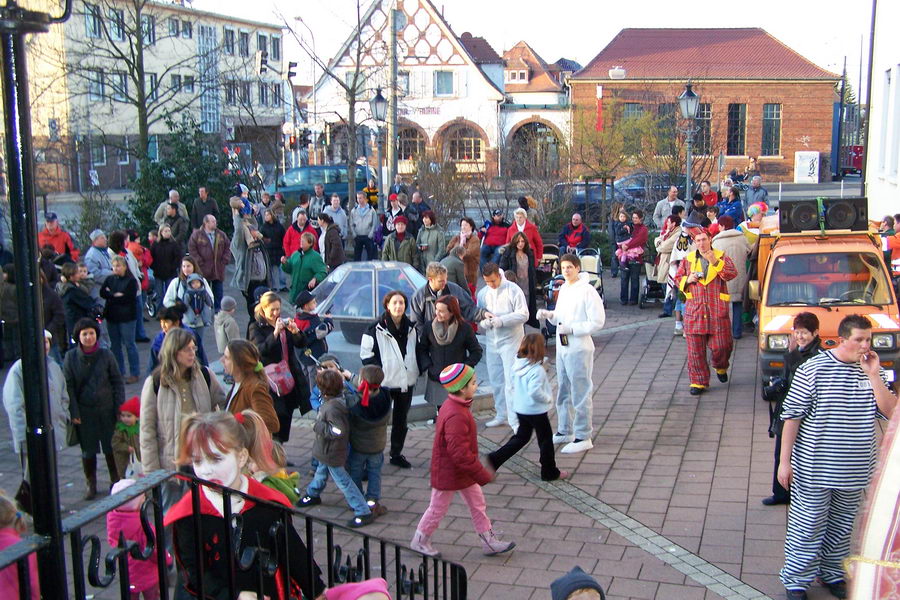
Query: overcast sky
824	31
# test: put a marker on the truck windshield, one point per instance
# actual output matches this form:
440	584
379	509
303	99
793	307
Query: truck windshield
832	278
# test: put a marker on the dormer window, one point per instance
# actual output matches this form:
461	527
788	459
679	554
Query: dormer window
523	75
513	75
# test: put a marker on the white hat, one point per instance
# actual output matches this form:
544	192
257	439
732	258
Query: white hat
48	335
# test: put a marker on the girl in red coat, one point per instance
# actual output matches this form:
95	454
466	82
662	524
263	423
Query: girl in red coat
455	466
219	445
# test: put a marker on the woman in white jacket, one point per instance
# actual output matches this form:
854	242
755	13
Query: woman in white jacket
578	315
390	343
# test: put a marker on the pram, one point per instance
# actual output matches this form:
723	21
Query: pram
651	290
548	266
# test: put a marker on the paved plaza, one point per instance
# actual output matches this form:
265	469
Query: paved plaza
666	505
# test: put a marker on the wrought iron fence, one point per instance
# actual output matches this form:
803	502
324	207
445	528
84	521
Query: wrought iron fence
343	555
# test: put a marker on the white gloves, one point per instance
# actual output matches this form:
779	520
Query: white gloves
544	314
564	329
485	324
496	322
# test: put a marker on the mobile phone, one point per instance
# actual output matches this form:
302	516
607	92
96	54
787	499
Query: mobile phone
336	430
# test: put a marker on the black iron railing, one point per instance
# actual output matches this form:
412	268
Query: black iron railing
343	555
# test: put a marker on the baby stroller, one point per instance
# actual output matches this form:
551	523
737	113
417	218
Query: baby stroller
651	290
551	293
593	266
548	266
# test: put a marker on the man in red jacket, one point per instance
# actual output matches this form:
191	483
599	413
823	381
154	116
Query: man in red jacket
531	233
54	235
574	236
493	237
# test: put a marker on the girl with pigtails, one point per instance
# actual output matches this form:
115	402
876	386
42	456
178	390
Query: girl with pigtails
218	446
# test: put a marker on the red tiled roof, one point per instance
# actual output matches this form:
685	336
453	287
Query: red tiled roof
479	49
748	53
539	78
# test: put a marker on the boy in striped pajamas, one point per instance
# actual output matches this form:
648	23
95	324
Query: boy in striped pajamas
828	455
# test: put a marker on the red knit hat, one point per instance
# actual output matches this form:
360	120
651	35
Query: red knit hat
132	405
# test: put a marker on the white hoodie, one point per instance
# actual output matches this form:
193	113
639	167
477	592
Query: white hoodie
579	306
507	303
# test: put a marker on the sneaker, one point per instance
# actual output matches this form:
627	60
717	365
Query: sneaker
838	589
723	377
400	461
309	501
679	328
562	438
376	507
360	521
495	422
576	446
795	594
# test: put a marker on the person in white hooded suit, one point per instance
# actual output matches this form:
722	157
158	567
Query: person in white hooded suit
504	332
578	315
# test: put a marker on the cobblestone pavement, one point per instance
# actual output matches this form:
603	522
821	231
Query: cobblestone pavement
666	505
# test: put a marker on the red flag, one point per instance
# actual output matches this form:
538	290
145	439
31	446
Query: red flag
599	124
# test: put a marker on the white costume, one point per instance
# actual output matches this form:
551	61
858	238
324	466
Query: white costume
579	314
504	333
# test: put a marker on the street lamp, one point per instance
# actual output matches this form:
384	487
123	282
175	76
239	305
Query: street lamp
379	106
689	102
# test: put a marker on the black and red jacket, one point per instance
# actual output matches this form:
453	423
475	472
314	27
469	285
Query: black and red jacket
578	237
256	520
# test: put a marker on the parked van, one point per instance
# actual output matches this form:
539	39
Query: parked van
300	180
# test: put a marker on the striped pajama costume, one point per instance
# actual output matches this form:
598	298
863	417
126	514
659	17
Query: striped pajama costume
833	459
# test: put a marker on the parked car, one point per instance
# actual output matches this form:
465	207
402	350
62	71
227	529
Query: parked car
646	189
300	180
575	194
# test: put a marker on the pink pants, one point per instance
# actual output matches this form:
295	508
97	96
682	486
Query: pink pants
440	504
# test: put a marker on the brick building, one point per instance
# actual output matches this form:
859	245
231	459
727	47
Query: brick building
758	97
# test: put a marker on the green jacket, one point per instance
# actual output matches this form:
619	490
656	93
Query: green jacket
436	241
303	266
407	252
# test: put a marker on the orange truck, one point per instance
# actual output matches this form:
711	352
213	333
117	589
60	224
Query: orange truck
806	264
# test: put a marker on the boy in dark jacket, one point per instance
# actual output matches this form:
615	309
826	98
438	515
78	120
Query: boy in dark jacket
332	431
315	328
455	466
368	435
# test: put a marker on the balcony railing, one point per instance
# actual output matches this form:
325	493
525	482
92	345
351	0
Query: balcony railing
344	555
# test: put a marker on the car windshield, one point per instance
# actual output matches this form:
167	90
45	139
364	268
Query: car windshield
832	278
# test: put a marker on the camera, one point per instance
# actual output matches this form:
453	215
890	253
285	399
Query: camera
777	388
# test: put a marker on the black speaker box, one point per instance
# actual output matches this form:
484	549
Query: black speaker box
795	216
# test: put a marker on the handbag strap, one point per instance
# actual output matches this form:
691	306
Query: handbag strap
284	350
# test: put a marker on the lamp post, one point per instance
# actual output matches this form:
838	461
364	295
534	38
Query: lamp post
379	105
688	102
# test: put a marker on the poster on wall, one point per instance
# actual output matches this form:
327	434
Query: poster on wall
806	167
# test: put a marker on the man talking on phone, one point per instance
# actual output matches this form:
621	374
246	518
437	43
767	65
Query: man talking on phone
578	315
828	454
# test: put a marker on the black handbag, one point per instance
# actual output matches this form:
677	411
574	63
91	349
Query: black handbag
71	434
23	494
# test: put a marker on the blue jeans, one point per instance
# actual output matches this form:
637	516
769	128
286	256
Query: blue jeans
614	262
668	306
123	333
490	254
201	351
161	286
139	332
371	463
631	282
216	285
737	324
342	479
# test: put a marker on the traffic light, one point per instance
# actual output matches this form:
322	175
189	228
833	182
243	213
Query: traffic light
292	142
288	71
262	59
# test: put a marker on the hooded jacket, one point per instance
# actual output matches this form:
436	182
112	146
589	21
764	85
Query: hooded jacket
509	305
226	329
580	307
332	429
142	574
379	347
339	216
199	303
14	402
533	395
454	454
77	303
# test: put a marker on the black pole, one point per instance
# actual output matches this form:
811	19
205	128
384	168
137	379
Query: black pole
15	23
862	178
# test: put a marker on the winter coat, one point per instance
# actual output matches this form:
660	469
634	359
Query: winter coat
145	261
60	240
532	393
406	251
508	263
534	239
508	304
240	251
273	240
494	233
436	240
177	291
159	215
291	241
737	248
579	306
303	267
142	574
77	304
455	464
456	270
471	258
754	195
181	228
257	521
198	302
388	218
14	402
332	429
463	348
161	416
97	261
120	309
339	216
254	394
270	350
122	440
309	323
94	394
211	257
621	231
663	209
733	209
664	253
362	223
167	255
9	577
54	314
421	305
333	247
226	329
570	236
201	208
379	347
275	205
368	424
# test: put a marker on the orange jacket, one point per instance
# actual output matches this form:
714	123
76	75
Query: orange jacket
60	240
892	243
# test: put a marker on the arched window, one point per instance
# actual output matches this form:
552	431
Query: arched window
463	144
410	144
534	151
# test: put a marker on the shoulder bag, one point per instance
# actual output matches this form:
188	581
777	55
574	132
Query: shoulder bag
280	378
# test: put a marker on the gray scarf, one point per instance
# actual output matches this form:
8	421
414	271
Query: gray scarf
444	334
